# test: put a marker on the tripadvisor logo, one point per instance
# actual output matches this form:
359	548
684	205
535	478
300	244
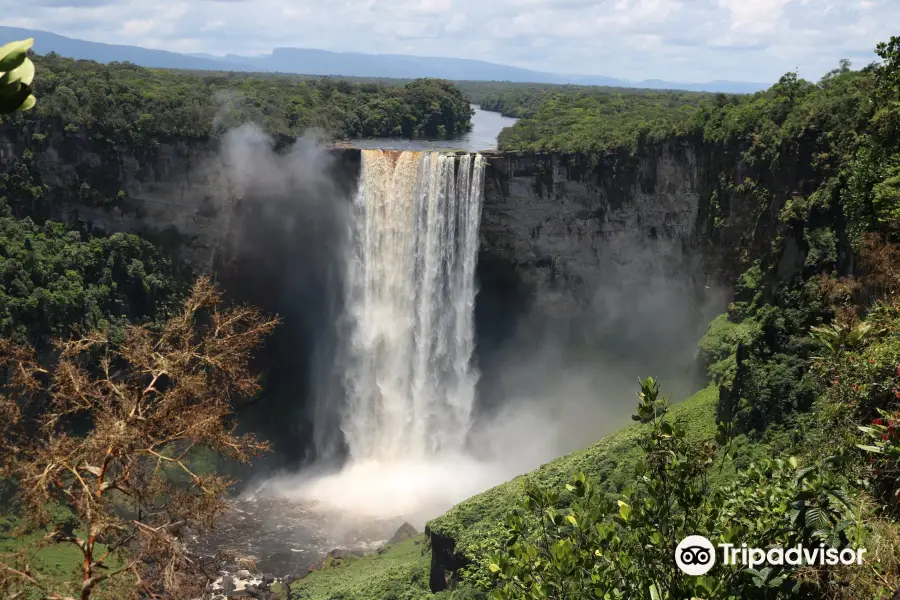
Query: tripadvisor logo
696	555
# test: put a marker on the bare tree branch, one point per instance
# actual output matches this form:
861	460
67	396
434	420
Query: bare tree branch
151	401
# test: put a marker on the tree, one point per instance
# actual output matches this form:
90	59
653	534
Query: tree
16	74
889	71
600	549
105	435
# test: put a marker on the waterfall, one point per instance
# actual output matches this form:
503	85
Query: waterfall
411	293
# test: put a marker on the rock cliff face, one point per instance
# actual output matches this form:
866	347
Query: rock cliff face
568	226
174	185
601	249
626	257
191	187
563	224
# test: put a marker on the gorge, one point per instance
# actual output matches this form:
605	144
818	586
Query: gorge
575	261
569	249
560	260
457	338
579	263
561	240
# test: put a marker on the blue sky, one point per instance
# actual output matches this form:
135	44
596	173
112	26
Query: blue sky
676	40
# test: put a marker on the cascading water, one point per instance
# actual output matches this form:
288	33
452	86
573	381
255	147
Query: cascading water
410	381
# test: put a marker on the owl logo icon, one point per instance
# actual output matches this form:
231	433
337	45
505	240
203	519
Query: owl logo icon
695	555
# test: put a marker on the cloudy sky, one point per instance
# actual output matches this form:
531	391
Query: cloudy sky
676	40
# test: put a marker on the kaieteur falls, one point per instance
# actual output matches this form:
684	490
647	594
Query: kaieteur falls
407	360
411	384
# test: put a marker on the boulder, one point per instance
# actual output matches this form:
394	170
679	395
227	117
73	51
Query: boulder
247	563
405	532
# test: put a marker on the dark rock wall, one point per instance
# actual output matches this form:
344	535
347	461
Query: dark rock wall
568	227
604	251
619	262
176	185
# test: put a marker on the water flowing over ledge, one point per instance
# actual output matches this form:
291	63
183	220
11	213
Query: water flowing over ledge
411	273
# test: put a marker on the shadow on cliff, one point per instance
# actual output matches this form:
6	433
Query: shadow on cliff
283	253
553	383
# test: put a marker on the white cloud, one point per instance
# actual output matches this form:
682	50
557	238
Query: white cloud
755	17
684	40
138	28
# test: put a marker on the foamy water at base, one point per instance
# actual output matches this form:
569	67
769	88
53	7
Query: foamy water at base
290	523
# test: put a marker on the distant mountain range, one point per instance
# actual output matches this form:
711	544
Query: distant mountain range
308	61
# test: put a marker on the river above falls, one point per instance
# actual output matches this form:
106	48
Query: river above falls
486	126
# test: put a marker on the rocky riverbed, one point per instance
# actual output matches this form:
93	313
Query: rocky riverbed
282	537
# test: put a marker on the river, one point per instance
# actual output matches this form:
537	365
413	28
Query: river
486	126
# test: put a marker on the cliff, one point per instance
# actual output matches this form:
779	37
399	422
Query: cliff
560	221
593	250
567	226
623	248
186	187
90	182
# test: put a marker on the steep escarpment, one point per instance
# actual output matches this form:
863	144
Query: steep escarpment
567	225
591	252
587	249
87	181
673	209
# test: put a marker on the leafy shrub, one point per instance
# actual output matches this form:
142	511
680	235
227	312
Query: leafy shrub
593	547
52	280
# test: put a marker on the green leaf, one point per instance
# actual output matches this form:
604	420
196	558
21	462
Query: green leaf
624	510
24	73
874	449
654	592
14	54
816	519
17	100
29	103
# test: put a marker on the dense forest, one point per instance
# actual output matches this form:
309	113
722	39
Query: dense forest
123	103
801	446
54	280
523	100
593	122
806	365
602	121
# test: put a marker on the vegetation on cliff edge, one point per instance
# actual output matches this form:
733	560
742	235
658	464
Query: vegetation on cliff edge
121	103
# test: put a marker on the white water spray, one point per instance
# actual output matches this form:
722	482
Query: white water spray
410	380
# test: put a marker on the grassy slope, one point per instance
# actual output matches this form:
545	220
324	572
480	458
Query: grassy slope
477	518
402	571
58	565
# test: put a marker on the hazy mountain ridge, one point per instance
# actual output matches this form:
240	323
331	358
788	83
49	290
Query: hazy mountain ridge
310	61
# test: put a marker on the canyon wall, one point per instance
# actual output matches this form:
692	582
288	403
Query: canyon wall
188	188
567	226
621	261
560	221
606	251
172	186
